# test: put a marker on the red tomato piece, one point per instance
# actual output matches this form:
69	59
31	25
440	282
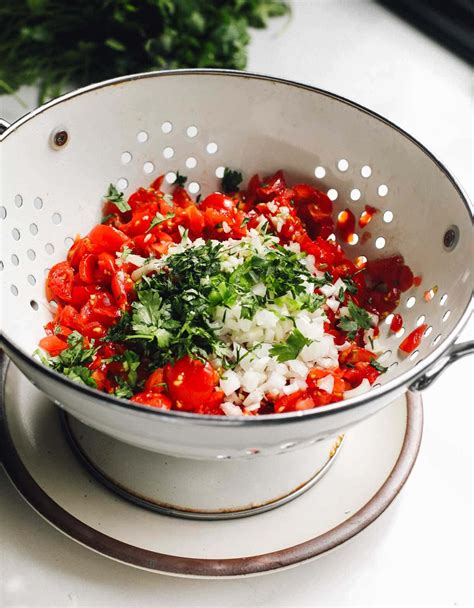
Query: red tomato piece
53	345
123	289
396	323
155	381
153	399
300	400
87	268
190	382
217	201
60	281
107	238
413	340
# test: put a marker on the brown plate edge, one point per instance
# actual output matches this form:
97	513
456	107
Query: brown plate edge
207	568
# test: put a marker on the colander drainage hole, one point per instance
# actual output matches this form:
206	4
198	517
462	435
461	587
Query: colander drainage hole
168	152
122	183
220	172
18	200
366	171
38	203
420	320
148	167
34	304
31	279
3	212
320	172
2	265
31	254
142	137
332	193
192	131
212	147
16	234
380	242
49	248
388	217
126	158
342	165
57	219
355	194
14	290
170	177
194	187
166	127
191	162
382	190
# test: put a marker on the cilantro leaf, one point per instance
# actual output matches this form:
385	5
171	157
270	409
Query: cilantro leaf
231	181
81	375
159	219
116	197
378	366
180	180
351	287
290	349
358	318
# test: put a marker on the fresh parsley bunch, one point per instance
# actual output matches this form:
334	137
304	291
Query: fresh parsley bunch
58	44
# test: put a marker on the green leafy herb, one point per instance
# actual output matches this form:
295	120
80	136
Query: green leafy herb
341	295
159	219
378	366
351	287
290	349
58	44
116	197
358	319
180	179
71	361
126	251
231	181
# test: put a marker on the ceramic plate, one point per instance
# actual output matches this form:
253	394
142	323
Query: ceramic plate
373	465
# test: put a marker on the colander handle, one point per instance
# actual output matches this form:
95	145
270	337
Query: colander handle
3	125
457	351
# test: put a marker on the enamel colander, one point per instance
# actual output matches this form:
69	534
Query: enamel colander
57	162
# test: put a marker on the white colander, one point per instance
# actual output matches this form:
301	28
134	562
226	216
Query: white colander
57	162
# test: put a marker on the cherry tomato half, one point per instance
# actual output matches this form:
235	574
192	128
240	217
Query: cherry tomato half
190	382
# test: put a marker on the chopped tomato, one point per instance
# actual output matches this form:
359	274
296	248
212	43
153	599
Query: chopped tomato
396	323
190	382
155	381
60	281
153	399
53	345
413	340
106	238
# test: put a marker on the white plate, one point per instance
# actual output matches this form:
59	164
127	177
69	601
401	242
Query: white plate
372	467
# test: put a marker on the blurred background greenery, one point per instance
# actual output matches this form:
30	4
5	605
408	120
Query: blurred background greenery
60	44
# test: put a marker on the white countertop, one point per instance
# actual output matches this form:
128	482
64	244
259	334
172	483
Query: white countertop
419	551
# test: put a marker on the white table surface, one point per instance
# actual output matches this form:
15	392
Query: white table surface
419	551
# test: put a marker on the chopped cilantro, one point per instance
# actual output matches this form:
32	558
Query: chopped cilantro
231	181
291	348
116	197
341	295
378	366
351	287
159	219
180	179
358	319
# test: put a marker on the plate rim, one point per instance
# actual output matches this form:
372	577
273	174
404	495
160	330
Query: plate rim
164	563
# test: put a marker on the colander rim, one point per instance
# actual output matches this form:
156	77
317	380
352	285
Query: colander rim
404	380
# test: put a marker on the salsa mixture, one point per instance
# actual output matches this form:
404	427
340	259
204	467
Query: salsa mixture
243	303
